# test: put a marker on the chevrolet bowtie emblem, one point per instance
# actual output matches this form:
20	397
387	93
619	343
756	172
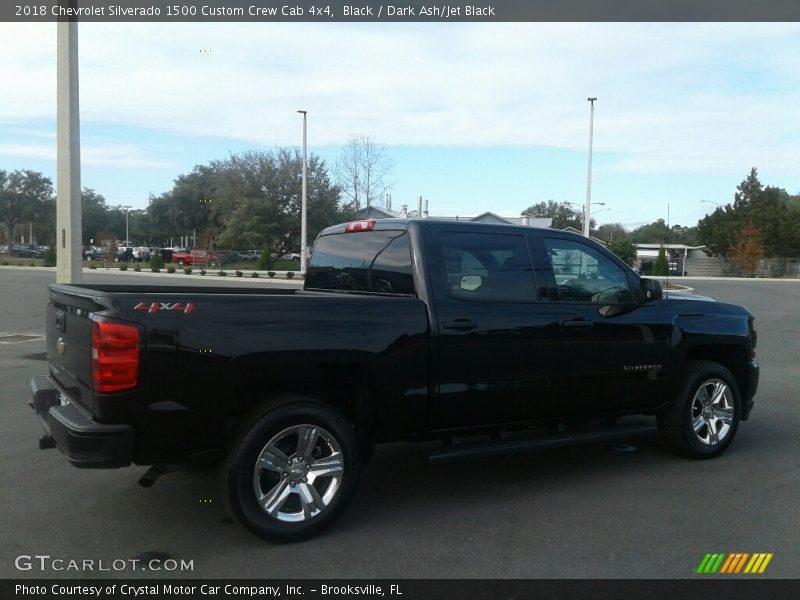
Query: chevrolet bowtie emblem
61	346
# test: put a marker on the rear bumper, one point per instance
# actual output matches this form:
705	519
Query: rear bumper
85	442
752	387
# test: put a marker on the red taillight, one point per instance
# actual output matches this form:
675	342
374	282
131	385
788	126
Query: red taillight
367	225
115	356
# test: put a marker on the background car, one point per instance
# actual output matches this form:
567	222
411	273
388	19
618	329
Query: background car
92	253
26	251
141	253
124	255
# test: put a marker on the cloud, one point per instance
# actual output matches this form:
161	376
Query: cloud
118	156
672	97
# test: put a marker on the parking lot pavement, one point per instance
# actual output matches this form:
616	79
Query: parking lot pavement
581	512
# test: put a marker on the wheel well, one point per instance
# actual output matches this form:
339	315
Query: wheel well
733	358
348	390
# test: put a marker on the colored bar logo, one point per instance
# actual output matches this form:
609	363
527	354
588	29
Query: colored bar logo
737	562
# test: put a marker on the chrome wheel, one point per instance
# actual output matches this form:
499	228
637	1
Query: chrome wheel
712	412
298	473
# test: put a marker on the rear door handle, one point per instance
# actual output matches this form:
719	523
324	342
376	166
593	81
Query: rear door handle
461	325
580	324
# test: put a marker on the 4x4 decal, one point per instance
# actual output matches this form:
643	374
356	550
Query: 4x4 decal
154	307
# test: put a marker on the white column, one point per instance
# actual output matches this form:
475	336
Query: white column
68	167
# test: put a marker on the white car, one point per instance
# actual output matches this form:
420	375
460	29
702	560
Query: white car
141	253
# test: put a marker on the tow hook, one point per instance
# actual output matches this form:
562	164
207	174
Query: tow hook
46	442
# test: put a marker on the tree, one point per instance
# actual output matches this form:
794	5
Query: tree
249	200
624	249
562	213
609	232
748	250
363	172
94	215
769	209
655	232
661	266
24	196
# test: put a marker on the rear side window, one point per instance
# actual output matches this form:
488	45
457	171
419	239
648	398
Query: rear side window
362	261
487	267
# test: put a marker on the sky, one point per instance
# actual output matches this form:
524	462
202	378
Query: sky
476	116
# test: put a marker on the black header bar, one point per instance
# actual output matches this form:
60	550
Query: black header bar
488	11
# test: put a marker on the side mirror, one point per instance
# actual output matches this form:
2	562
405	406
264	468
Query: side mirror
651	290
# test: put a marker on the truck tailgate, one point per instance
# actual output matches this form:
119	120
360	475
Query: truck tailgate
69	342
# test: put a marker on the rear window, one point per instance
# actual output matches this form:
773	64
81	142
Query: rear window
364	261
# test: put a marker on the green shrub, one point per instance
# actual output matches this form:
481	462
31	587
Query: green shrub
156	263
137	268
661	266
188	270
239	273
123	266
170	268
222	273
265	260
289	274
254	274
92	266
50	257
202	271
270	274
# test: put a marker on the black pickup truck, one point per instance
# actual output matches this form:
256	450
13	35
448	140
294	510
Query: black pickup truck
491	338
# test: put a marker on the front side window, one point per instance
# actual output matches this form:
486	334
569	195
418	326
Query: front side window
362	261
487	267
585	275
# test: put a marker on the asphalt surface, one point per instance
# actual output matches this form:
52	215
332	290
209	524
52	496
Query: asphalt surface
591	512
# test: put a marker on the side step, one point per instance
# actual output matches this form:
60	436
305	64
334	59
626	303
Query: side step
533	441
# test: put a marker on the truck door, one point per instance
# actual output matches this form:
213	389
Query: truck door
615	350
496	344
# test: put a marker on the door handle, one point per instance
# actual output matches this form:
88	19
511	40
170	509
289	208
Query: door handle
580	324
461	325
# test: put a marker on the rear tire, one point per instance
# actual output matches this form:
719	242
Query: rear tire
702	421
292	470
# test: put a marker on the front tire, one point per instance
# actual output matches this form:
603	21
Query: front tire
703	420
292	471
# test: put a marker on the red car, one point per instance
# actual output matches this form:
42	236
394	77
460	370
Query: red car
194	257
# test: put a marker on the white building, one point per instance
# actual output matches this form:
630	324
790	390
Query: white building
374	212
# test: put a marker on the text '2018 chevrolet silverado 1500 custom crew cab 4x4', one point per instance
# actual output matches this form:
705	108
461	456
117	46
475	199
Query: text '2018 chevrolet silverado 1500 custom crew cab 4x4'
405	330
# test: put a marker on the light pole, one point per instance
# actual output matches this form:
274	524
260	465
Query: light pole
712	202
584	209
305	191
589	174
127	238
